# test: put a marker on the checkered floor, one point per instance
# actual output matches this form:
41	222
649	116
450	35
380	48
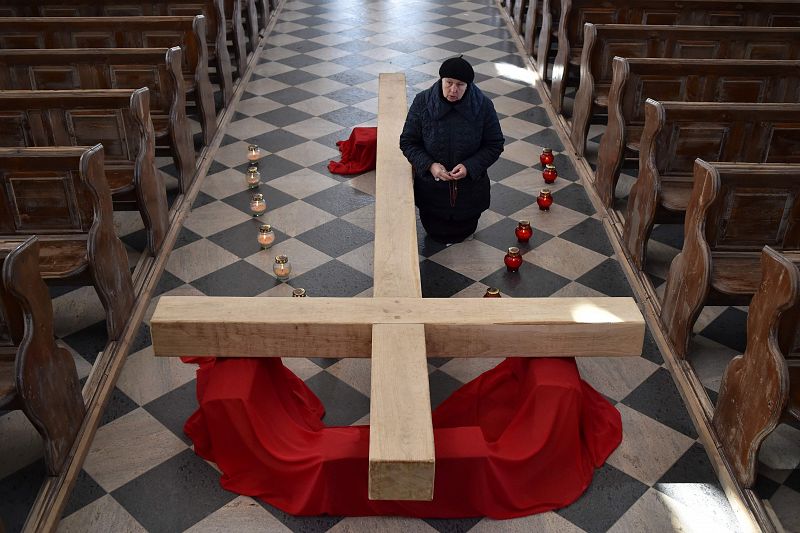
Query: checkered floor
316	79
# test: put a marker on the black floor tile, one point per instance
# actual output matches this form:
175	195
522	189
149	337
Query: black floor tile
17	494
85	491
343	404
507	201
334	278
439	281
175	407
239	279
340	199
589	234
574	197
501	236
240	239
174	495
728	329
272	196
658	398
118	405
530	281
608	278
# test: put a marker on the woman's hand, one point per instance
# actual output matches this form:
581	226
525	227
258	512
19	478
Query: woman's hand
458	172
440	173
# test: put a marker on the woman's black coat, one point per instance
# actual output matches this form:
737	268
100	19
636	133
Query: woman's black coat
467	132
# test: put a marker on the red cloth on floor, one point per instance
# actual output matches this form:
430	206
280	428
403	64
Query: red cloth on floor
358	152
522	438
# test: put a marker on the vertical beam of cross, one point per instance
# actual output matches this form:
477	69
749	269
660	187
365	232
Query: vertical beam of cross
401	452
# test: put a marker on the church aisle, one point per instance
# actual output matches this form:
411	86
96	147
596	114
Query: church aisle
316	80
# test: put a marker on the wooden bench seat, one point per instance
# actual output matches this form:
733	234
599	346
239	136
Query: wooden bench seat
119	119
735	210
603	42
575	13
125	32
769	365
675	133
61	196
36	376
158	69
685	80
212	10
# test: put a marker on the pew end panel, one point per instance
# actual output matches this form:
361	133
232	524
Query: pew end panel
742	420
78	239
42	380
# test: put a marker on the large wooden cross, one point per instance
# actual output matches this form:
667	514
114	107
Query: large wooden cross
397	328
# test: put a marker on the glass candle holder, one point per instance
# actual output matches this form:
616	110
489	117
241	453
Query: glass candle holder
282	267
524	232
513	259
549	174
492	292
252	178
265	236
546	157
299	292
257	205
545	200
253	153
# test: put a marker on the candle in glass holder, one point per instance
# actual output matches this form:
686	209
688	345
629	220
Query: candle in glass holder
282	267
257	205
513	259
545	200
523	231
299	292
253	153
492	292
265	236
253	177
549	174
546	157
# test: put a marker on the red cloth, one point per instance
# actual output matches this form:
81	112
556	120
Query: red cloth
522	438
358	152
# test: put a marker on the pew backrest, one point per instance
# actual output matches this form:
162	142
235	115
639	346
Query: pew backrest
124	32
676	133
61	195
685	80
119	119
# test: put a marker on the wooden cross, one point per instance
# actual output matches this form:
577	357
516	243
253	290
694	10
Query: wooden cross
397	328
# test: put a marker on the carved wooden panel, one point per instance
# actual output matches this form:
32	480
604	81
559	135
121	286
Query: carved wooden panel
777	50
725	18
22	40
784	20
86	128
695	50
162	39
752	218
59	11
657	16
741	90
620	48
127	77
661	89
42	202
92	39
15	130
124	11
783	145
53	78
688	142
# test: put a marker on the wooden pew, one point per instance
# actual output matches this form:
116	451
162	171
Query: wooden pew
36	376
233	17
605	41
675	133
742	420
125	32
119	119
211	9
575	13
684	80
158	69
735	210
61	195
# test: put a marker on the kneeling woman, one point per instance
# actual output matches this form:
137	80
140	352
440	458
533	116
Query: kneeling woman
451	137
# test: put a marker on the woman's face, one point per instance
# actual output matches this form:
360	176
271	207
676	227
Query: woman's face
453	89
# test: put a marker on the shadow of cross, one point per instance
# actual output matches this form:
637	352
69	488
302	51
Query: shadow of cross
397	328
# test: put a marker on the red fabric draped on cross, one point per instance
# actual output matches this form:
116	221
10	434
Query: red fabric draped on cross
522	438
358	152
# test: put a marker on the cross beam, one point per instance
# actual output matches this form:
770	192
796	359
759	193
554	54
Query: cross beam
397	328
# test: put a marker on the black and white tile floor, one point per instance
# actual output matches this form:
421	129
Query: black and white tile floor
316	79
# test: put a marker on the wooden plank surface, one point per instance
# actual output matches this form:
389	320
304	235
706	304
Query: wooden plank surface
340	327
396	265
401	456
401	452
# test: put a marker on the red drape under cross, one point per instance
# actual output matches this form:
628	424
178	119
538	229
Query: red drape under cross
522	438
358	152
